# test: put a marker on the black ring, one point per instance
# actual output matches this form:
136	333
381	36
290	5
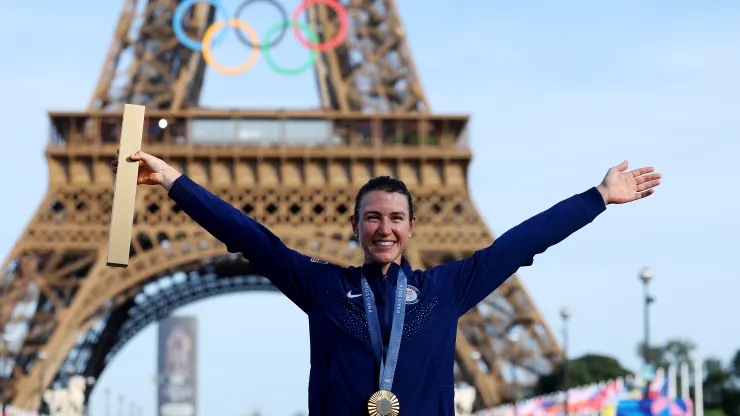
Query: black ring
278	38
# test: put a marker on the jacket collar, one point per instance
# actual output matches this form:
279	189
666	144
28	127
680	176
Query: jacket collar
374	273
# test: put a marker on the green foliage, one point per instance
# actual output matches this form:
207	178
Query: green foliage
714	412
590	368
722	385
731	401
674	352
715	378
735	364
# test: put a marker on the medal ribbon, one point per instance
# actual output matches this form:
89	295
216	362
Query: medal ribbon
387	366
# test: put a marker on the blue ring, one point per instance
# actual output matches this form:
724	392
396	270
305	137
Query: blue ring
177	18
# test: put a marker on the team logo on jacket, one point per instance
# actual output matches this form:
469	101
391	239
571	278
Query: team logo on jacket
412	295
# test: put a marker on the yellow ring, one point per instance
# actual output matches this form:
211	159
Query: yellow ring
208	39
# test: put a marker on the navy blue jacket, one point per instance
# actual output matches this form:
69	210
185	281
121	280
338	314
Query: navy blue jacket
344	371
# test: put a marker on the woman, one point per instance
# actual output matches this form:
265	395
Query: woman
382	334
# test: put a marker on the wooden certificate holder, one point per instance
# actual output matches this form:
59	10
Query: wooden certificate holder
124	189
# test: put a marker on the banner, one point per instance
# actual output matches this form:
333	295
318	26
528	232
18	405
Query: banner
177	362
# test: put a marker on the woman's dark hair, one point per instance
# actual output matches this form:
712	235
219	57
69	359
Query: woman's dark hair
384	183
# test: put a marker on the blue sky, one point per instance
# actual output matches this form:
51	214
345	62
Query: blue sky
558	93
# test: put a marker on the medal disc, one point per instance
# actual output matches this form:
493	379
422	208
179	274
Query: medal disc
383	403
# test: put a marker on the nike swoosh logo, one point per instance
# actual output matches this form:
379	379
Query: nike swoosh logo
350	295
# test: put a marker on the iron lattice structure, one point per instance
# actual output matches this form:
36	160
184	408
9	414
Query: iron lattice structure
64	312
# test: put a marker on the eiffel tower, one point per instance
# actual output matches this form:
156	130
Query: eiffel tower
63	312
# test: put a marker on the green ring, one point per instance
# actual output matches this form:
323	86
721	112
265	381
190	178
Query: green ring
288	71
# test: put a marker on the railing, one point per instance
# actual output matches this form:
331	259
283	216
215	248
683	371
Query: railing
250	128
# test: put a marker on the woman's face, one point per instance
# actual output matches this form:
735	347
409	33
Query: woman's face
383	226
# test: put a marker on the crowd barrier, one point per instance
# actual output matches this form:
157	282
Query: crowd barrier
629	396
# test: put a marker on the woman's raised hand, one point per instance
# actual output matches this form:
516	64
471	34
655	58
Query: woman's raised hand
152	170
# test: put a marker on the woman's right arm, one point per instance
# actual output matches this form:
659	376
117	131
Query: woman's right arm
287	269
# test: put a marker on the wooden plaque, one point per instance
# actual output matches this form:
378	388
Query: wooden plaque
124	189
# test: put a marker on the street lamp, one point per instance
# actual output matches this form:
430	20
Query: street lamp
565	315
646	275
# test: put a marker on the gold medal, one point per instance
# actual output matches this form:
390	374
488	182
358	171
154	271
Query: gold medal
383	403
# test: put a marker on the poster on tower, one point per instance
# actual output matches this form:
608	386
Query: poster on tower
176	374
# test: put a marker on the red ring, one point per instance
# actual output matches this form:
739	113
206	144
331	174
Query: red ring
343	25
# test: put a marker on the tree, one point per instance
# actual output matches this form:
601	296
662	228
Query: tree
735	365
679	351
674	352
657	355
587	369
722	385
731	401
715	378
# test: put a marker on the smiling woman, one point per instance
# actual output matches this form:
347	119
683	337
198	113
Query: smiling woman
360	316
383	220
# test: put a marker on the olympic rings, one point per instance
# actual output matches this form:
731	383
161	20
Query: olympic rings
343	24
282	12
211	37
177	18
311	57
208	38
